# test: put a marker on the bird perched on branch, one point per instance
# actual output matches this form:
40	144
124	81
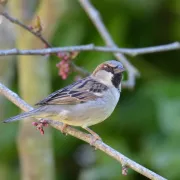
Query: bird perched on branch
84	103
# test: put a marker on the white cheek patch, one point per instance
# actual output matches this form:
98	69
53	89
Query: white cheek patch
105	77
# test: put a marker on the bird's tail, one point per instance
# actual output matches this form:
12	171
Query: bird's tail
24	115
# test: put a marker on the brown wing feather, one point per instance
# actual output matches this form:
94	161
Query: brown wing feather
78	92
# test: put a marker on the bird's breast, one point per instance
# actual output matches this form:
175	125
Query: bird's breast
90	112
102	108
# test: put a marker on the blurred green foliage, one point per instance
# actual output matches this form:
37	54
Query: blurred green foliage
145	126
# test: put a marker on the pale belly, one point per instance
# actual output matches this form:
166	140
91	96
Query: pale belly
90	113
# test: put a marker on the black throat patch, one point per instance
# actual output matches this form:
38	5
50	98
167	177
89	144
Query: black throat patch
116	79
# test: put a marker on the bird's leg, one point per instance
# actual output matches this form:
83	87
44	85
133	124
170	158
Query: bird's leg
42	123
95	136
64	126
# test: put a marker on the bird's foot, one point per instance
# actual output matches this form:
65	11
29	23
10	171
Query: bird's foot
40	125
94	138
63	129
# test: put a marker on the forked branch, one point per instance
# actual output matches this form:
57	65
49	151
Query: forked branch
96	19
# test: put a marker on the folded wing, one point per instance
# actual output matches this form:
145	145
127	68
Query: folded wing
79	92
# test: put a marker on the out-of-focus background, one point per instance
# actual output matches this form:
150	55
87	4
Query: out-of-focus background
145	126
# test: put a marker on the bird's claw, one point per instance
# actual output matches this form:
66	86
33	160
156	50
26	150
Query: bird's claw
94	138
63	129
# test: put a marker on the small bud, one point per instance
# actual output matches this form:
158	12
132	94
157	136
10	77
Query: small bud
66	57
34	123
42	131
124	170
64	65
30	27
64	68
36	26
74	54
60	54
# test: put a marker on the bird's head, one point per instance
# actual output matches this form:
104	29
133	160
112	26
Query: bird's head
109	73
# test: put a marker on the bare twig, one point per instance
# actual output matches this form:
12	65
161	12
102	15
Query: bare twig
97	21
124	170
153	49
126	162
17	22
93	14
91	47
39	36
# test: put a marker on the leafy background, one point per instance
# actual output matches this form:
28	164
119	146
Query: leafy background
145	126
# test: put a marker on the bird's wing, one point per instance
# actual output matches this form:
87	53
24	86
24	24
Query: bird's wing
79	92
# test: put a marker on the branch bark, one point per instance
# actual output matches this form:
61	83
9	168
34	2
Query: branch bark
125	161
118	52
39	35
92	47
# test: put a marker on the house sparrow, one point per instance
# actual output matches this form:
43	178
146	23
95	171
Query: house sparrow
84	103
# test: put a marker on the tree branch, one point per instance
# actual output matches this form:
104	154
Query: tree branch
40	37
125	161
92	47
17	22
118	52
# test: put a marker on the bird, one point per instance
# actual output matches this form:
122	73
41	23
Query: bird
83	103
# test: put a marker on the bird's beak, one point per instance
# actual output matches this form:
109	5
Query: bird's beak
121	69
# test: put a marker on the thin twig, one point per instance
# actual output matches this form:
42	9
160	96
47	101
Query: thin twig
39	36
93	14
125	161
92	47
17	22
